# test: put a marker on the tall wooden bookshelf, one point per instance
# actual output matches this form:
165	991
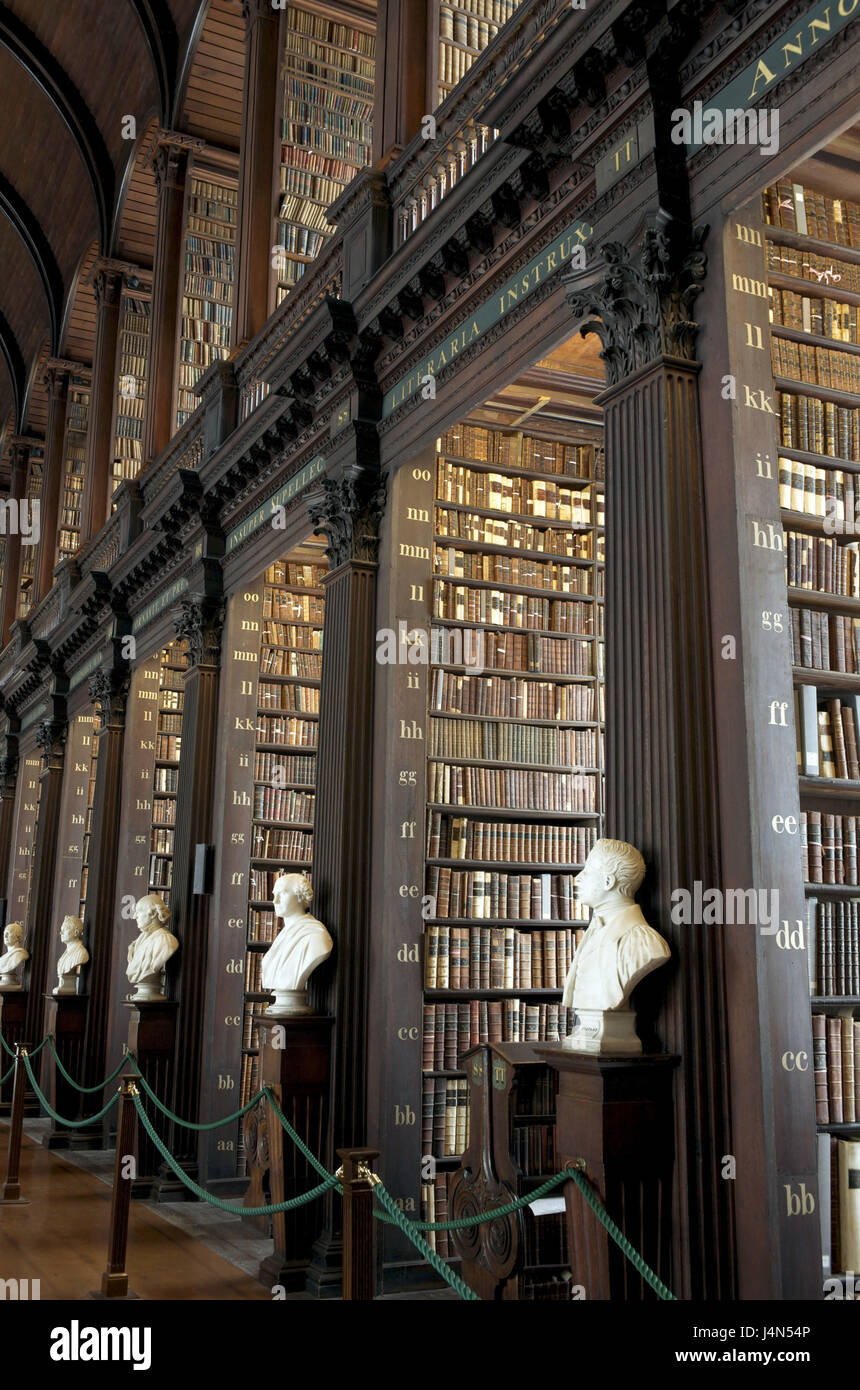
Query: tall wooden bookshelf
91	744
326	128
168	747
28	552
514	788
284	766
132	370
208	285
464	28
74	457
813	255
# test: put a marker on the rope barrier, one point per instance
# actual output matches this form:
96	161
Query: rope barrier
4	1079
69	1124
10	1051
84	1090
189	1124
481	1217
409	1229
297	1140
231	1208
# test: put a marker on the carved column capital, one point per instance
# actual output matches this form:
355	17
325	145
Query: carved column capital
55	380
51	738
200	620
109	692
107	287
8	774
169	163
349	511
645	299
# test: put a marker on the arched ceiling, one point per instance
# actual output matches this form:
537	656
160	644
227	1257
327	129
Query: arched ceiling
71	71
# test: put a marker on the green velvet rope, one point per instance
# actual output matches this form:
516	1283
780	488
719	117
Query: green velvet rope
11	1051
297	1140
69	1124
189	1124
620	1239
409	1229
290	1205
4	1079
85	1090
481	1217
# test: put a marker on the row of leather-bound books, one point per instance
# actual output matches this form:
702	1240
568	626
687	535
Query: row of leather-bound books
508	697
484	445
281	804
828	847
451	1029
833	943
520	535
817	426
511	569
569	792
500	607
836	751
271	843
830	492
511	842
298	769
497	957
278	661
822	563
825	641
825	318
835	1043
506	492
484	893
304	699
810	212
840	371
500	741
445	1116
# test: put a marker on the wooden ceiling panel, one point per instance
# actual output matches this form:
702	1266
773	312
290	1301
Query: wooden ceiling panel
212	106
23	301
80	336
36	416
136	236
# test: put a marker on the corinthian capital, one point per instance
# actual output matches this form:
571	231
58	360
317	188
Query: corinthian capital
200	620
348	511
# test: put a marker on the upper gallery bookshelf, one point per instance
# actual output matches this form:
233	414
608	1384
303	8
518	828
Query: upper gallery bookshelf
28	551
464	29
208	284
131	376
813	253
514	744
168	746
74	456
326	123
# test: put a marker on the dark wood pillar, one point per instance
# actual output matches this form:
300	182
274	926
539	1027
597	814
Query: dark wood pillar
257	168
109	692
348	511
8	783
18	462
51	738
402	75
661	792
56	380
170	167
107	287
200	621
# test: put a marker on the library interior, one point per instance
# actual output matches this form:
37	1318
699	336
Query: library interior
429	558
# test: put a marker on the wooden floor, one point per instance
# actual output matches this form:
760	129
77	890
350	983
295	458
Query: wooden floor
61	1239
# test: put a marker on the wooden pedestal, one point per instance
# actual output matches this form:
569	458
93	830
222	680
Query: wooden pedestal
66	1018
298	1072
13	1014
616	1113
151	1037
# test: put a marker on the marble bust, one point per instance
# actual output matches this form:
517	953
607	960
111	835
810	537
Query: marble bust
148	955
74	956
13	958
617	951
300	946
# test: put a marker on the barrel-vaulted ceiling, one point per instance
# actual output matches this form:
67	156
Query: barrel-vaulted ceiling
71	73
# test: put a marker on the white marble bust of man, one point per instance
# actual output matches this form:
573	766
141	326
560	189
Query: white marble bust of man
13	958
619	948
74	956
301	945
148	955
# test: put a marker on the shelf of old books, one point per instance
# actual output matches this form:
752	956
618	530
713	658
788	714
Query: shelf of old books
74	458
209	282
284	756
514	747
464	29
813	251
130	401
326	130
93	748
165	784
28	552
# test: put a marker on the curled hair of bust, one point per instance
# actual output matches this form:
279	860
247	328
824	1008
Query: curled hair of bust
75	922
158	905
17	927
299	884
624	861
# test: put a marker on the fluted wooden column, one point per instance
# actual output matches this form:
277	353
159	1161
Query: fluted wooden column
8	783
51	738
170	167
257	168
19	459
56	380
348	512
107	287
109	692
200	621
661	791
